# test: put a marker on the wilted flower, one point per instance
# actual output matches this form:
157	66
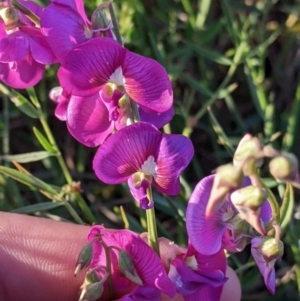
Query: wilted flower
265	251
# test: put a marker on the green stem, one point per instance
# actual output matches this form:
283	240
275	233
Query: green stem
79	199
33	17
115	24
151	226
150	213
108	269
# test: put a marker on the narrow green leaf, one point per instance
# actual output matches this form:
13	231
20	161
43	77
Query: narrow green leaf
33	97
287	206
20	102
44	141
210	54
28	180
230	22
222	137
38	207
27	157
196	85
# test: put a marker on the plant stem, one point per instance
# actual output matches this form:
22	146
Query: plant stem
151	226
79	199
150	213
115	24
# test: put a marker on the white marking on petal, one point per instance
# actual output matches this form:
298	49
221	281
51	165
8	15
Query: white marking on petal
227	215
117	77
191	262
149	167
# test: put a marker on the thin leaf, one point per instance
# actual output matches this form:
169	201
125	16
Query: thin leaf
20	102
33	97
38	207
210	54
44	141
28	180
287	206
27	157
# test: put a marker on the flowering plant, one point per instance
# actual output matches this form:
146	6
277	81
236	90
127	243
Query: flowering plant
118	101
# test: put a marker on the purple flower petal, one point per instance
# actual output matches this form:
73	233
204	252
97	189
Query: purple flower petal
206	293
14	47
89	66
147	82
265	212
141	293
205	233
123	153
266	269
63	36
175	153
75	5
40	49
146	261
87	120
156	118
23	74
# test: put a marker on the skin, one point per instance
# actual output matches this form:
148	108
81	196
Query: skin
37	260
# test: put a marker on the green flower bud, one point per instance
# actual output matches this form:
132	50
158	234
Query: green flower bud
249	196
285	167
247	154
99	20
271	248
92	292
248	201
127	267
84	258
228	178
91	277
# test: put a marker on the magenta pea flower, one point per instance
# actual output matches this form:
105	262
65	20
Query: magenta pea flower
265	251
149	273
24	51
198	277
91	120
224	226
97	62
72	29
143	156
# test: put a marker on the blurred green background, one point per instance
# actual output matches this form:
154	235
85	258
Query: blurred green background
234	67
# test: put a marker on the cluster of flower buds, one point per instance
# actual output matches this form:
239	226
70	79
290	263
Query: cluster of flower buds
234	207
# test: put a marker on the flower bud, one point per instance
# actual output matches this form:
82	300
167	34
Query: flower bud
249	196
271	248
84	258
91	277
92	292
127	267
247	153
247	201
285	167
10	17
99	20
228	177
